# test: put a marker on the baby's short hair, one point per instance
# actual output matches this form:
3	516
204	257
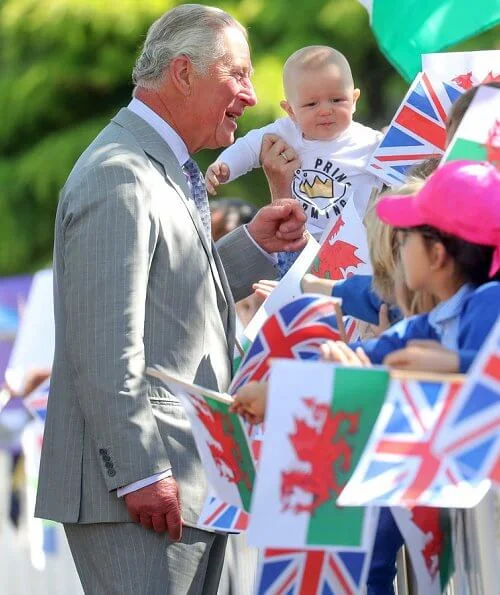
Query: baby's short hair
315	57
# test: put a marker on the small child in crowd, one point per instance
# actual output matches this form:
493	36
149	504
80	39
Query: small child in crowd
449	246
332	149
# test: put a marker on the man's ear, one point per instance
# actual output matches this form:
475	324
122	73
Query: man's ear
288	109
181	73
355	96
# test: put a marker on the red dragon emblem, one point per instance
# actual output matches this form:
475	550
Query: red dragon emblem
464	80
334	262
335	258
491	78
223	446
322	447
427	520
493	144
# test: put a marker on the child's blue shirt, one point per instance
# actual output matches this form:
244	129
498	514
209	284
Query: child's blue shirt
360	301
461	323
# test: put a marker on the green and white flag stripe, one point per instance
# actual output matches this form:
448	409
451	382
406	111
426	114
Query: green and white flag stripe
482	117
319	417
234	428
405	29
353	391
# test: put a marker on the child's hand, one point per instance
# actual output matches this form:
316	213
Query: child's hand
424	356
337	351
312	284
217	173
264	287
250	402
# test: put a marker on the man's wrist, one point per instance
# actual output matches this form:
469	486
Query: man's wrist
271	256
142	483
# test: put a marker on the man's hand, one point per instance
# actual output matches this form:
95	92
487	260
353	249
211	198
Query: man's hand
157	507
279	227
279	162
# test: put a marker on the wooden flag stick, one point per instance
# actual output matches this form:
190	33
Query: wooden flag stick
162	375
429	376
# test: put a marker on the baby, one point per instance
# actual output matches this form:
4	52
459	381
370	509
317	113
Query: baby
332	149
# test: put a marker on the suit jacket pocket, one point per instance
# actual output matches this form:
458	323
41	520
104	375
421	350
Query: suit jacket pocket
161	395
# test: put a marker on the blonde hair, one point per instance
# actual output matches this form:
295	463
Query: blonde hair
315	57
388	275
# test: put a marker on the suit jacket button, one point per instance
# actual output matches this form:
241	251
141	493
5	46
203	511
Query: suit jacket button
111	472
103	451
108	465
106	458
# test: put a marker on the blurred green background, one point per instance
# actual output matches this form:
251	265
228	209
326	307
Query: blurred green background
65	70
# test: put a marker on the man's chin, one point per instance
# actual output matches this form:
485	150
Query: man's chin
224	140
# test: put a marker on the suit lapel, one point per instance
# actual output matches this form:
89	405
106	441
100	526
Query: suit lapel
154	145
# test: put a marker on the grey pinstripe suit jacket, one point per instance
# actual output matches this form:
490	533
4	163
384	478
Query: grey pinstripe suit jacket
135	284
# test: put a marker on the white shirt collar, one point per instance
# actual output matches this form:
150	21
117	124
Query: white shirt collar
168	134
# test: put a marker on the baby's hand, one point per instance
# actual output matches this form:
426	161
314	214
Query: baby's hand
217	173
250	402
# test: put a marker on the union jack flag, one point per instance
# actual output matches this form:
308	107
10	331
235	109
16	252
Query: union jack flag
36	402
434	443
296	331
417	131
223	517
311	572
471	432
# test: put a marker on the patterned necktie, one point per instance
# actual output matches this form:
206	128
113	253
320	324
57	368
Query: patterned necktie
200	196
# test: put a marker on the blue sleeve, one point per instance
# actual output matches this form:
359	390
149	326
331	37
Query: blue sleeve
358	299
478	318
396	337
466	357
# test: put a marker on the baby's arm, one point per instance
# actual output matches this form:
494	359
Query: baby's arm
217	173
250	402
244	154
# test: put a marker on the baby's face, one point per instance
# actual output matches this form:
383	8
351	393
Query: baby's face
321	103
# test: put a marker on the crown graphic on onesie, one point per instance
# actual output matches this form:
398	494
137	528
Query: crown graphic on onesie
318	188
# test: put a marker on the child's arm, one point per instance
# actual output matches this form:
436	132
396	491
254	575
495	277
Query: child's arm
424	356
250	402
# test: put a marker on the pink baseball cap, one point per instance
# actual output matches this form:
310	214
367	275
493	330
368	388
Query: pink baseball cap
461	198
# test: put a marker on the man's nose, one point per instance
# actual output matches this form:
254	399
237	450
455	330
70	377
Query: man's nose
248	93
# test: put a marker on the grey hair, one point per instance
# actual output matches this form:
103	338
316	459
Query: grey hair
191	30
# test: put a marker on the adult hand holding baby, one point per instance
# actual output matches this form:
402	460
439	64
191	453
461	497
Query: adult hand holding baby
279	162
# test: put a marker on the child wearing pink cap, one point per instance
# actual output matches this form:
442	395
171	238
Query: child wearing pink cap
449	238
449	235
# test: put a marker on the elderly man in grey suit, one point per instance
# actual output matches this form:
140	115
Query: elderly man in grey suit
138	282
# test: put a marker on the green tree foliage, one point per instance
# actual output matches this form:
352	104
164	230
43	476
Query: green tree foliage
65	70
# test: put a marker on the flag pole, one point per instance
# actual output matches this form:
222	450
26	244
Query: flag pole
162	375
